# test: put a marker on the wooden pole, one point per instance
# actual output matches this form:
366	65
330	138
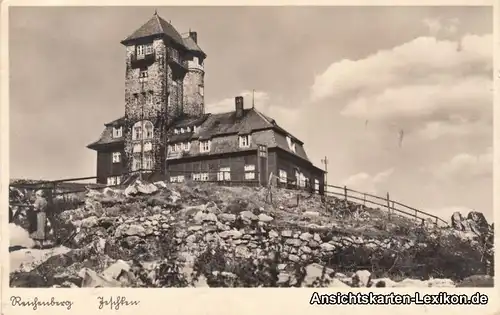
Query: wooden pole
389	206
345	193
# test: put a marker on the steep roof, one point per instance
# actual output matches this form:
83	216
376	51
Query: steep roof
191	45
156	26
222	129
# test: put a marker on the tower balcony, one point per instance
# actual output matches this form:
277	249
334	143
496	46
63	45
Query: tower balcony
142	60
177	65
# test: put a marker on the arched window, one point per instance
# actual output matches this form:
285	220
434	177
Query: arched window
142	130
148	128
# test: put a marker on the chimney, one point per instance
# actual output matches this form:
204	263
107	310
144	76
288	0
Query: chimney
238	102
194	36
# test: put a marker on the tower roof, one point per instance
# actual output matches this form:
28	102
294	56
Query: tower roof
191	45
156	26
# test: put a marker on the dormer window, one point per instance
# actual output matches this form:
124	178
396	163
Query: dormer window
176	131
196	60
205	146
291	144
188	129
195	128
245	141
117	132
182	130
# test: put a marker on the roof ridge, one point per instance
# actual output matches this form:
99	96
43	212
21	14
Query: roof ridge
159	22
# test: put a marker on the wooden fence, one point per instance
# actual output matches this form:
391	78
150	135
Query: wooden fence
71	186
386	203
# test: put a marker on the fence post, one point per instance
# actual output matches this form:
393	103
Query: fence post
345	193
389	206
364	199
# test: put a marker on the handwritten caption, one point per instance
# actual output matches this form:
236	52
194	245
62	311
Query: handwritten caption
35	303
115	303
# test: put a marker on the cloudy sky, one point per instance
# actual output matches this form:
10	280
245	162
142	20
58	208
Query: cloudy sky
398	98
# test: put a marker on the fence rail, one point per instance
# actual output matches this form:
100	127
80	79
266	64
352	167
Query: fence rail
387	203
226	178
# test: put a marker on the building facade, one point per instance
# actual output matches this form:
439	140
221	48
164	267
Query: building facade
165	129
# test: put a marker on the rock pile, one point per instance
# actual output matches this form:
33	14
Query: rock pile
161	234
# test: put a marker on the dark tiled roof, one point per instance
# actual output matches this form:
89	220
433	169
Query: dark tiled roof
192	45
156	26
223	129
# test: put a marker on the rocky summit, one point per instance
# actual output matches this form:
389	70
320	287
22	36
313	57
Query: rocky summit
199	234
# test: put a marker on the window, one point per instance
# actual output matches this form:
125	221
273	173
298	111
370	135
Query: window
205	146
176	131
148	128
148	162
245	141
170	148
249	172
174	83
201	90
137	148
291	144
187	146
195	128
148	146
182	130
140	51
136	163
143	50
177	179
137	130
283	176
117	132
177	147
224	174
136	99
262	151
117	157
200	177
113	180
316	185
143	75
196	60
188	129
150	98
302	180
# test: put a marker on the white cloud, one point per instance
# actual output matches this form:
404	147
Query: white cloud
367	183
466	166
421	81
437	26
458	127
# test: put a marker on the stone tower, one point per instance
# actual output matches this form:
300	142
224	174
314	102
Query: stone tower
194	87
154	77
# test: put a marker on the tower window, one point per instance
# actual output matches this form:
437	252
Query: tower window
148	161
136	99
201	90
143	75
136	163
142	130
150	98
142	50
